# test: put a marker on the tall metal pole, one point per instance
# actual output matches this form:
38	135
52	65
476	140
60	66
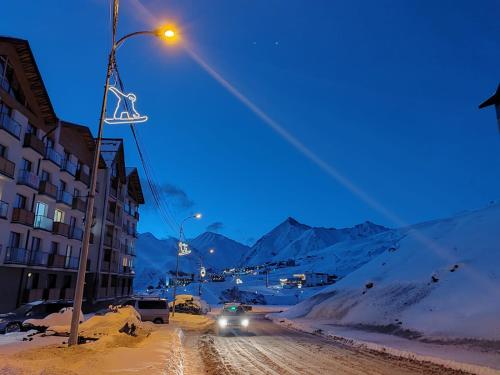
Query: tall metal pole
181	235
80	282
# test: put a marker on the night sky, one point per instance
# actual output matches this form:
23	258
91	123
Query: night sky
338	111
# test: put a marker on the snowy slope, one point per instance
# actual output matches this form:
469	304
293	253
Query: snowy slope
156	257
227	251
292	240
440	279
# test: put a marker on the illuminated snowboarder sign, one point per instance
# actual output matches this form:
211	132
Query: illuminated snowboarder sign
121	115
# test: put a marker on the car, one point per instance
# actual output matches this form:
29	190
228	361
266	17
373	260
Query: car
186	303
232	317
13	321
151	309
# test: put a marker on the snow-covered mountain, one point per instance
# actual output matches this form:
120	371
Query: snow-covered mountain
292	240
156	257
439	279
227	252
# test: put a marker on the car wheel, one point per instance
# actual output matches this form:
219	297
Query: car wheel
158	321
13	327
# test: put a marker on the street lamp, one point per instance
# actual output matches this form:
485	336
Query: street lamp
168	34
181	245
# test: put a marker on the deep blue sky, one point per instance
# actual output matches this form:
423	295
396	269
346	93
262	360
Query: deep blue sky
385	91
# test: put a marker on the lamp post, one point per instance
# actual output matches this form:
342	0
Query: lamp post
180	246
80	282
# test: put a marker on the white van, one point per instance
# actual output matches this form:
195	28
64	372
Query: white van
151	309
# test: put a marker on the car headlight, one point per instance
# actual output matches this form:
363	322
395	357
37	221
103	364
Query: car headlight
244	322
222	322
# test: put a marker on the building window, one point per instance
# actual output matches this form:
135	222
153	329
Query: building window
51	280
33	280
3	151
58	216
30	129
36	243
45	176
104	281
14	239
54	247
62	185
20	201
26	165
67	281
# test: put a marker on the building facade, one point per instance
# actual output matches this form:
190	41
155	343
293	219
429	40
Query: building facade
44	184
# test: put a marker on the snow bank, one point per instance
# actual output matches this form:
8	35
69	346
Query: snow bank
63	317
441	279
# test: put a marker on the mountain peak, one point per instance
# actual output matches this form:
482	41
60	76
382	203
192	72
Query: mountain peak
291	221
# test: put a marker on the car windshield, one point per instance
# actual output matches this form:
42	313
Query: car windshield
233	310
23	310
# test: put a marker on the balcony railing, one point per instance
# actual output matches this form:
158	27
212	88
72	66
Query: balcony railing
56	260
108	241
35	143
4	209
65	197
7	167
28	178
17	255
10	125
48	188
43	222
71	263
83	177
69	167
39	258
53	156
79	204
61	229
23	216
76	233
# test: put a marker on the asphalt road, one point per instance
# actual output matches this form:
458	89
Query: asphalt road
271	349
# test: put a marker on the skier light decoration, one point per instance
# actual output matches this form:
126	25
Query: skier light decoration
124	114
184	248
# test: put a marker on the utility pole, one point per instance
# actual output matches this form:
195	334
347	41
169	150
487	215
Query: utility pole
82	269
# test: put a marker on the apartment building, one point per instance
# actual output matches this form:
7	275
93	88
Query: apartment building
44	176
114	230
44	181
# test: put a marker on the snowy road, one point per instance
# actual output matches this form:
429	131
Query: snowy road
271	349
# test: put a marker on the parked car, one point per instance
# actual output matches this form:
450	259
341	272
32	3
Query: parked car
189	304
13	321
232	317
152	309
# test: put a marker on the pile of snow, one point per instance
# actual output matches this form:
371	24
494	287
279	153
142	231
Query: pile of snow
440	279
61	318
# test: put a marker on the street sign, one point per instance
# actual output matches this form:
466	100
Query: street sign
184	249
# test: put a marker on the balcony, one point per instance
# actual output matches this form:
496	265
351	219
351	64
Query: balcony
83	177
10	125
7	167
43	222
64	197
28	178
61	229
71	263
48	189
79	204
4	210
23	216
35	143
76	233
67	294
31	295
69	167
56	260
110	216
127	270
39	258
17	255
53	156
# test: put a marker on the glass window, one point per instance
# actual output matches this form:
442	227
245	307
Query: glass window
14	239
51	280
26	165
54	247
41	209
30	129
45	176
36	243
58	216
20	201
157	305
3	151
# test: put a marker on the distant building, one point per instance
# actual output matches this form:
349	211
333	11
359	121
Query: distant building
44	181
